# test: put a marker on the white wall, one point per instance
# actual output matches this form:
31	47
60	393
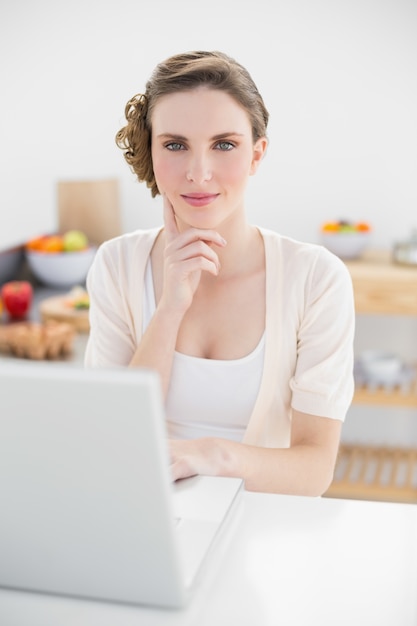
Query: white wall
338	76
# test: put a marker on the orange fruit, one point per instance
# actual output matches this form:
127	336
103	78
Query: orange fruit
53	243
36	243
46	243
330	227
363	226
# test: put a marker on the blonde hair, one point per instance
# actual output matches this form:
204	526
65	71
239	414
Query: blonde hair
184	72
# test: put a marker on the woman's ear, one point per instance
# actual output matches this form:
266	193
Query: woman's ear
259	150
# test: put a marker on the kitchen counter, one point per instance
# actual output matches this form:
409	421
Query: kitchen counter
40	293
290	560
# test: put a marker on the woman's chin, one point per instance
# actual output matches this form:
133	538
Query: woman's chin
202	220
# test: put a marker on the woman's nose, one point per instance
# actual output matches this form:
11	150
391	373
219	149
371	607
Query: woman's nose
199	169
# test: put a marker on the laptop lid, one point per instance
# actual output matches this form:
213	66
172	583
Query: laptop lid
88	506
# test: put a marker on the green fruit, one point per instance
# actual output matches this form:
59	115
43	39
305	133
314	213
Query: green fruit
346	227
75	240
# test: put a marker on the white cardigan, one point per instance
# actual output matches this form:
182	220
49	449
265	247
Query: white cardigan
309	327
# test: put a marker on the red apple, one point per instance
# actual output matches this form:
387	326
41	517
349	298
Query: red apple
17	298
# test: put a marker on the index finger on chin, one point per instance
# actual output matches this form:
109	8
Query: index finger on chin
170	223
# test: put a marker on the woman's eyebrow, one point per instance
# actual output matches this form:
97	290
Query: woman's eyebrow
214	138
224	135
172	136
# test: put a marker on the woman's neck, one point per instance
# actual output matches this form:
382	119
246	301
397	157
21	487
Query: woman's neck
244	251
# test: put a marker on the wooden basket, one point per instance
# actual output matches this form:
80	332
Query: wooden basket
370	473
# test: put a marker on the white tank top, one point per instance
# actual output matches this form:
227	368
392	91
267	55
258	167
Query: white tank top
208	397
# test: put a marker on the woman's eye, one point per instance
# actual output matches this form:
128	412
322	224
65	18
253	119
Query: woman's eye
174	146
225	146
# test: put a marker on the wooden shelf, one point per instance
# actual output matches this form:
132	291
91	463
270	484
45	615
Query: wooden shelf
382	286
367	473
387	397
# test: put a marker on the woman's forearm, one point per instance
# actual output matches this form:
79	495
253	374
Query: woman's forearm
157	346
299	470
304	469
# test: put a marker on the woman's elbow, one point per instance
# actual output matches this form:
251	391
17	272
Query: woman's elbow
318	485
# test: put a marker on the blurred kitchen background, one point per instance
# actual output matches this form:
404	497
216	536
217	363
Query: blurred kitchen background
339	78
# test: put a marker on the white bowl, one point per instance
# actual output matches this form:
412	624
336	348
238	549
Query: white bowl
61	269
380	365
346	245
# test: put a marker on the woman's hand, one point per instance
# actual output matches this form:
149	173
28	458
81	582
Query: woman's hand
188	459
207	456
187	255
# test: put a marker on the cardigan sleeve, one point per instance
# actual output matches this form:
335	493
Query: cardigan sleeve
322	383
115	287
110	342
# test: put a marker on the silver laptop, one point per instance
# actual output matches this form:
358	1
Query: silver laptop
88	507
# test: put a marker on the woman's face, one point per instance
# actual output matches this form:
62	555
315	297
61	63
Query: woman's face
203	154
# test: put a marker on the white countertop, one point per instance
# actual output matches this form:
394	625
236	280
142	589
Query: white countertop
291	560
76	357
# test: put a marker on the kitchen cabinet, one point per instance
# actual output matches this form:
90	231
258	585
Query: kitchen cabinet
381	287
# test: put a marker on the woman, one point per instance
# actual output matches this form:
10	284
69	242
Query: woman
251	332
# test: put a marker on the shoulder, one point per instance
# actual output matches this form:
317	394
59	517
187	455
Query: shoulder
122	258
305	272
301	256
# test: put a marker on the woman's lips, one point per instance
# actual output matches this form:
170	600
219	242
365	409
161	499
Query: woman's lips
199	199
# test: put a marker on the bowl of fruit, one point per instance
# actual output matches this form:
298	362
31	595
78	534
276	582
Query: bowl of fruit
60	260
348	240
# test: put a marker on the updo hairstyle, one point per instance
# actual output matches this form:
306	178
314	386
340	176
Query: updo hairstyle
185	72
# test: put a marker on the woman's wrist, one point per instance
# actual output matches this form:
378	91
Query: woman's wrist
168	314
225	457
